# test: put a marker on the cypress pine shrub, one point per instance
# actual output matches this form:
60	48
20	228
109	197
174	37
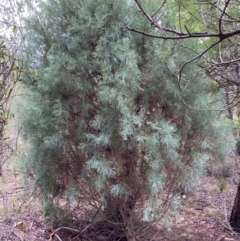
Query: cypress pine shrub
104	118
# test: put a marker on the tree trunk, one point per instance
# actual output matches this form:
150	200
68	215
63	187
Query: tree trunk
128	225
238	148
118	212
235	215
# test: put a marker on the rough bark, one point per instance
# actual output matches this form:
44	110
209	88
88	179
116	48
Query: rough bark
118	211
238	148
235	215
128	225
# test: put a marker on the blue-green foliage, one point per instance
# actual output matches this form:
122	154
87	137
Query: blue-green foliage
104	108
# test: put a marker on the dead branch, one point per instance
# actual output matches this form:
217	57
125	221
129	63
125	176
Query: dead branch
75	230
62	228
177	35
226	27
221	17
194	59
159	9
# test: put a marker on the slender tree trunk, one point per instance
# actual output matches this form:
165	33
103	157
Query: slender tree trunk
119	211
238	148
128	225
235	215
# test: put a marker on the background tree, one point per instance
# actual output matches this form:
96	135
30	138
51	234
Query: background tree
10	66
215	27
104	119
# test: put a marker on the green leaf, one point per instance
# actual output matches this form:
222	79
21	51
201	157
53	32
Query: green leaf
7	113
14	29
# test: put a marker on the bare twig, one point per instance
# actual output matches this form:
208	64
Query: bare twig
94	216
184	35
58	237
221	17
195	58
62	228
159	9
224	63
176	33
221	10
187	35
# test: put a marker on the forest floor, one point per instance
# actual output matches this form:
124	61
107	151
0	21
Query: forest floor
204	212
